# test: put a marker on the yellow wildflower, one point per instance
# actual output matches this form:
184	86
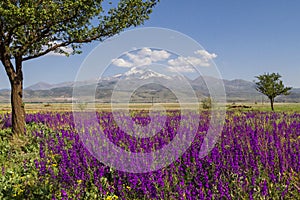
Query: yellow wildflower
108	198
111	197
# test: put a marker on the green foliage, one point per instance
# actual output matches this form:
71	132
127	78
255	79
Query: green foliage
31	28
19	176
206	103
271	86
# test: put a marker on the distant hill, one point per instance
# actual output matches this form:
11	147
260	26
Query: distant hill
48	86
160	87
39	86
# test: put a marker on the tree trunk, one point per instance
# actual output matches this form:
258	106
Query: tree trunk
272	104
18	111
15	76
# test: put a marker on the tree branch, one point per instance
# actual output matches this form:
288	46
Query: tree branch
11	31
8	66
49	31
46	51
64	44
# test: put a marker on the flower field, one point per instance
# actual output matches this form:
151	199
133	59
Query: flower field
257	157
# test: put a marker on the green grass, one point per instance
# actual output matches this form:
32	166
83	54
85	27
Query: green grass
278	107
67	107
19	177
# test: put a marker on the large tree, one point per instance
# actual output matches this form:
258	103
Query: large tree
32	28
271	86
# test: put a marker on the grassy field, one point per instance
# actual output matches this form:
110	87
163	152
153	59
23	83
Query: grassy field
278	107
63	107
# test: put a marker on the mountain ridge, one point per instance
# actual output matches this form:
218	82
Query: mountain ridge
236	90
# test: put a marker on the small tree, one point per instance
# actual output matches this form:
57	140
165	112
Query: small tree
207	103
271	86
30	29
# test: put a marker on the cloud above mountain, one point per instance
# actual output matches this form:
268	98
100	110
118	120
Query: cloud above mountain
181	64
144	56
201	58
206	56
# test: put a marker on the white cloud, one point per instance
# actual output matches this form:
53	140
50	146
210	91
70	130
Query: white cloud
159	55
121	63
206	55
187	69
144	56
144	52
180	61
182	64
66	49
138	59
201	58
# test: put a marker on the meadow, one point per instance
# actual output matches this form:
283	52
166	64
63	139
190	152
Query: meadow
67	107
257	157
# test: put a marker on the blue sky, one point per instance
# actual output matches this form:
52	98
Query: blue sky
248	37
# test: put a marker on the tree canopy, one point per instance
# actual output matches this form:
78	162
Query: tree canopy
271	86
32	28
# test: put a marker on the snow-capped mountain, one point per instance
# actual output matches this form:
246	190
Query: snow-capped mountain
140	73
156	84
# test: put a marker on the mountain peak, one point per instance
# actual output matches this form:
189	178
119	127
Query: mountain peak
40	86
143	73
